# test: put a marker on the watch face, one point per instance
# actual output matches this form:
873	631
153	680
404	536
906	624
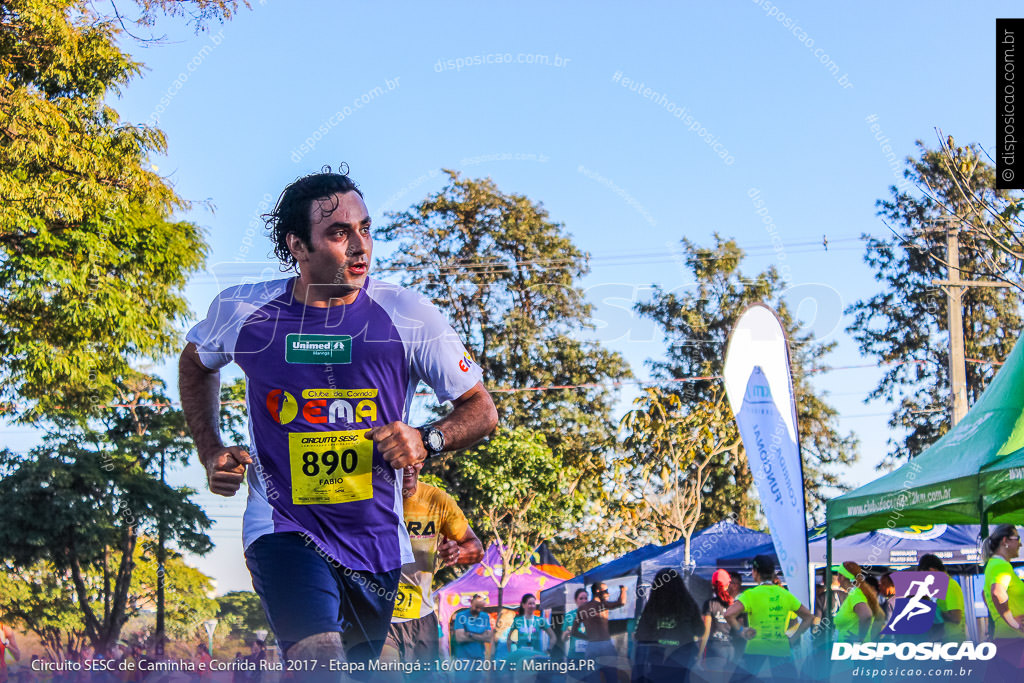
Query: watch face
435	440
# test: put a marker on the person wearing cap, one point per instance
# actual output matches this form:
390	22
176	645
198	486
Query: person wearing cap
717	651
767	606
859	618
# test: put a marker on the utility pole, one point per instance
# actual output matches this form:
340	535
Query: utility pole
954	287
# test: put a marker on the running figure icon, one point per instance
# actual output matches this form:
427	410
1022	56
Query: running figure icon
914	607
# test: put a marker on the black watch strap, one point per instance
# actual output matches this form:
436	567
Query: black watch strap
433	440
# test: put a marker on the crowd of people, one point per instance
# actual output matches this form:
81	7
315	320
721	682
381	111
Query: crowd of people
342	540
750	634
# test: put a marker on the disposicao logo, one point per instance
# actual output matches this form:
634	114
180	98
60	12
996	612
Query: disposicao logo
914	607
914	611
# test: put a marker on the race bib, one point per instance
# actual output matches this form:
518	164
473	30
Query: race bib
408	602
330	467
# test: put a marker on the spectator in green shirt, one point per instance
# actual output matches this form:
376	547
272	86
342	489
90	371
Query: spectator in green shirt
528	627
576	648
1004	597
860	618
951	607
767	606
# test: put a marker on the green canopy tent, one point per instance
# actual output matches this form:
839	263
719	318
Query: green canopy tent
974	473
1002	487
958	478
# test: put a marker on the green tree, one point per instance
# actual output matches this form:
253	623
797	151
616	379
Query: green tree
84	499
696	325
43	599
672	450
186	591
505	275
517	493
241	613
91	263
905	326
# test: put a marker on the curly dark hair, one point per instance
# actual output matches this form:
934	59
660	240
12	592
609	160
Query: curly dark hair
291	215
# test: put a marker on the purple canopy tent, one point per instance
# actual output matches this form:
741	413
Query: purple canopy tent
480	578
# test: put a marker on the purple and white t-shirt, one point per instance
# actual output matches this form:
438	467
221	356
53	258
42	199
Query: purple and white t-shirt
316	380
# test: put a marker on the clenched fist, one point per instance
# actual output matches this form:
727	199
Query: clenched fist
399	444
225	469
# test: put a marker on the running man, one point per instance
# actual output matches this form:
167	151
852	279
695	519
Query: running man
332	359
439	531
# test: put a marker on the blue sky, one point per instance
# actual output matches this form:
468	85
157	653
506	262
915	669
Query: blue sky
730	98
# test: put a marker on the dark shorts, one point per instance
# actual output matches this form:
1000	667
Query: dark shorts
304	594
415	639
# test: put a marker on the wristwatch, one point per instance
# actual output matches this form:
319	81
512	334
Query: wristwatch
433	440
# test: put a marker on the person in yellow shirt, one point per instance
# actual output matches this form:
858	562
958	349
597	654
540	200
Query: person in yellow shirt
438	531
767	607
1004	597
859	618
951	607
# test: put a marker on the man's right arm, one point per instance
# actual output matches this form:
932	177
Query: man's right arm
461	636
200	400
618	603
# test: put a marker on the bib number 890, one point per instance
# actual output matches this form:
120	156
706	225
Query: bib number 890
311	461
330	467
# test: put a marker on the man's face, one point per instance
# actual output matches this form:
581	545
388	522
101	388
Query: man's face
734	586
410	479
340	242
478	605
601	593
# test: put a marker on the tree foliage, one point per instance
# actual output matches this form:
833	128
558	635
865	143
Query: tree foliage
905	326
43	599
241	614
659	485
696	325
84	499
91	263
517	492
505	275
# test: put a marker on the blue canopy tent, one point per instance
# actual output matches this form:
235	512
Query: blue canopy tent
706	546
953	544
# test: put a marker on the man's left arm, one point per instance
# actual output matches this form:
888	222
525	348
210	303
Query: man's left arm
472	418
465	550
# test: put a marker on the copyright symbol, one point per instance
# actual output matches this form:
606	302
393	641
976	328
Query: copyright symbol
1007	174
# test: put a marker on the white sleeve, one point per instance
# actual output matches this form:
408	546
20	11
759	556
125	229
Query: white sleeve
439	357
215	336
